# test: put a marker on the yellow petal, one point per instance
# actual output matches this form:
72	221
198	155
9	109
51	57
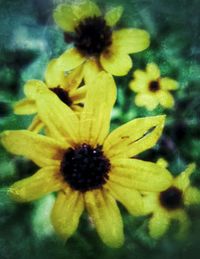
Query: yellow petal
150	202
134	137
168	84
182	181
113	15
141	175
64	17
70	59
162	162
40	149
61	121
32	87
66	213
91	70
129	197
106	216
184	223
153	71
36	125
131	40
72	79
25	106
116	63
78	95
165	99
85	9
192	196
146	99
55	76
95	118
138	86
158	224
46	180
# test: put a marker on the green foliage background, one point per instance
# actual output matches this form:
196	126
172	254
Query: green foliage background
28	39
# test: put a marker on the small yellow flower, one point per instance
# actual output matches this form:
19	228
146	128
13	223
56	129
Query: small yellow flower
96	43
89	167
170	205
152	89
66	87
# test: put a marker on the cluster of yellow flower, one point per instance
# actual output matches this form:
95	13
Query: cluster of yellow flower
69	136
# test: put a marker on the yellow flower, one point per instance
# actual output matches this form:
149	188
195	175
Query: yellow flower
152	89
88	166
170	204
66	87
96	43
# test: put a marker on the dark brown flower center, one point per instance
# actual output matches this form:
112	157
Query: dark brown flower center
154	86
92	36
85	168
171	198
62	95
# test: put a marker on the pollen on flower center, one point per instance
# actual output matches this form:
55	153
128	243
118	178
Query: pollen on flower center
92	36
85	168
171	198
154	86
62	95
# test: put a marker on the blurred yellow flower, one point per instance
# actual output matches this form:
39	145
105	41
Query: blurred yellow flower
89	167
152	89
96	42
65	86
170	204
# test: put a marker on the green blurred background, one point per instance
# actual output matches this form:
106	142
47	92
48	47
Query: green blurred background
28	40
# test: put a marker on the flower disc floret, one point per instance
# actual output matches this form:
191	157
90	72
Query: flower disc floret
62	95
85	168
92	36
171	198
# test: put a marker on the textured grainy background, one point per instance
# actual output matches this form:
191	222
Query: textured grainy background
28	39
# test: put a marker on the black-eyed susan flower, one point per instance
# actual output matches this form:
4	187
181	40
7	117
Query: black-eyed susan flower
89	167
170	204
152	89
65	86
96	42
